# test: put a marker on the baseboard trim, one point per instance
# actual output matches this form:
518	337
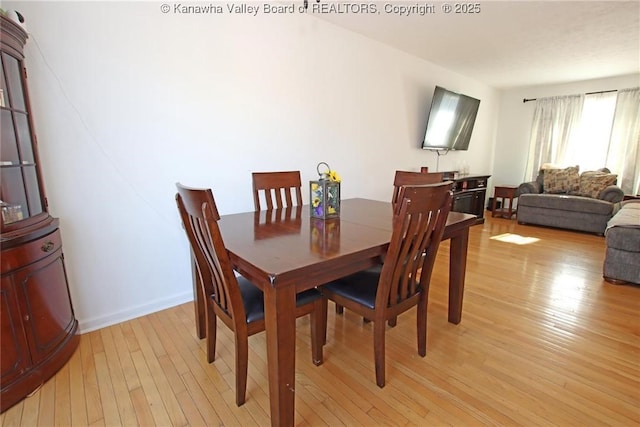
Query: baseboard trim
89	325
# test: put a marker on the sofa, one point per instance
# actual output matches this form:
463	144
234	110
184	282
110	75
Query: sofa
564	198
622	259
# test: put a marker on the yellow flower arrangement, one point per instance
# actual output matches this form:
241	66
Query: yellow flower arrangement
333	176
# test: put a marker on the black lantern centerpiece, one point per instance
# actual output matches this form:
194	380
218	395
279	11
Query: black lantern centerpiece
325	193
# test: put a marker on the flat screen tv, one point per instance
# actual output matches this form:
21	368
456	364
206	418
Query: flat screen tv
450	121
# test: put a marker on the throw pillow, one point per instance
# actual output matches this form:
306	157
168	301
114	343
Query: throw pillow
561	180
592	183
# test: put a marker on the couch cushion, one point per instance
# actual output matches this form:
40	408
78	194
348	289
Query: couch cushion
593	183
624	238
565	202
561	180
623	229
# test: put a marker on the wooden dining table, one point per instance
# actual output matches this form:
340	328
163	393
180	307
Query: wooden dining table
285	251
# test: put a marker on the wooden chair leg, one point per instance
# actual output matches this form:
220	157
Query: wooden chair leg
421	326
378	351
393	321
325	309
242	366
211	332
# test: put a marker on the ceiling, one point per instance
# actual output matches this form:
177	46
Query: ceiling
510	43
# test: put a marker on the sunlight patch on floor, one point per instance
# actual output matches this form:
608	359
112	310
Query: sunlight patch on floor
515	239
567	291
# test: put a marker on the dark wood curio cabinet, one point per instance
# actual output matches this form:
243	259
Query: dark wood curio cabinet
38	329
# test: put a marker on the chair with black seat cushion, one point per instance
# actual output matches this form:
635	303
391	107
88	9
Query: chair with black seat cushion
278	189
381	294
401	179
235	300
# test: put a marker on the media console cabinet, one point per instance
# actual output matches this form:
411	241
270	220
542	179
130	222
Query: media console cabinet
469	193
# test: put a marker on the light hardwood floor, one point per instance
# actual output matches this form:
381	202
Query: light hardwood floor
543	341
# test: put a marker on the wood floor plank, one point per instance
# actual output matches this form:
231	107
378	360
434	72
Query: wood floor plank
93	402
117	377
30	410
129	337
206	376
191	412
339	398
165	390
158	411
46	410
169	344
13	416
63	397
142	407
171	374
77	391
544	340
98	423
124	356
201	400
107	394
363	383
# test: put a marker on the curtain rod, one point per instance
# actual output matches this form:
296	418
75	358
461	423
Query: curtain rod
588	93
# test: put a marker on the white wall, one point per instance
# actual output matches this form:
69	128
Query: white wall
514	125
128	100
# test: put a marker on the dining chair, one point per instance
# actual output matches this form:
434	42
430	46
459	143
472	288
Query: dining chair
234	299
401	179
278	189
403	281
413	178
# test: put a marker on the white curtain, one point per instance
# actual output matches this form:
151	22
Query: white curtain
554	120
623	156
590	141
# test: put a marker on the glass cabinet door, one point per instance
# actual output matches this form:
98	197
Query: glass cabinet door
20	196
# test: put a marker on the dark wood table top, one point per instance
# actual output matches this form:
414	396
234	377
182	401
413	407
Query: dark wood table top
282	243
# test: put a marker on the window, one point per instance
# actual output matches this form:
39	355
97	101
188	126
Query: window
589	143
592	131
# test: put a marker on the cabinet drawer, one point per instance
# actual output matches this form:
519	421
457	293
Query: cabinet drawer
30	252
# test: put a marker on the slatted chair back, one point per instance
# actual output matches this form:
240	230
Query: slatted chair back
277	189
417	232
413	178
200	219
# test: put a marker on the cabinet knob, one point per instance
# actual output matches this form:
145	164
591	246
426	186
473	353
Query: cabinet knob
48	247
